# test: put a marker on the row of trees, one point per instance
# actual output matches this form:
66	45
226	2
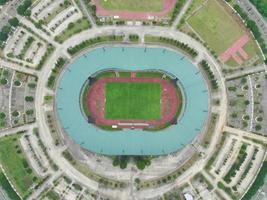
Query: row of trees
261	6
133	37
55	71
253	27
205	66
90	42
48	52
189	50
140	161
178	6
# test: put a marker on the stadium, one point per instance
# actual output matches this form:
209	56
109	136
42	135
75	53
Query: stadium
132	100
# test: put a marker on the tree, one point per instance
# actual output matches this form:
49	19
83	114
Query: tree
2	2
23	8
13	22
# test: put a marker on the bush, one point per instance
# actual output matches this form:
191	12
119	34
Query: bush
29	98
3	81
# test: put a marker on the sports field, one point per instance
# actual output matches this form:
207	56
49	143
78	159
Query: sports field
132	101
216	26
133	5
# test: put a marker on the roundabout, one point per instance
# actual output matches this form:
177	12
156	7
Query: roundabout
127	141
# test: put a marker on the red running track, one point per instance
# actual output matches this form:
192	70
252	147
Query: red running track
96	101
167	6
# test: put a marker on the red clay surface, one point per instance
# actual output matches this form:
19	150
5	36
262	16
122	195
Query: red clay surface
236	51
167	6
96	102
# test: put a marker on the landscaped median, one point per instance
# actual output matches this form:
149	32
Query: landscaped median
175	43
72	29
93	41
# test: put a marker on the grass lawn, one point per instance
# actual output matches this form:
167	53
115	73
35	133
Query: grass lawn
15	165
133	101
133	5
214	25
76	27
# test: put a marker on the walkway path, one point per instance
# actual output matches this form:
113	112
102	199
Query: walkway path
181	14
88	15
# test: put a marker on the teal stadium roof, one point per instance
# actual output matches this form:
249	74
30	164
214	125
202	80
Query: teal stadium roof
132	142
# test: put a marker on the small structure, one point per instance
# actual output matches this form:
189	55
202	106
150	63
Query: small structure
188	196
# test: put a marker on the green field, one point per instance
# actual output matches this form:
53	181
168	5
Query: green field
15	165
216	26
133	5
133	101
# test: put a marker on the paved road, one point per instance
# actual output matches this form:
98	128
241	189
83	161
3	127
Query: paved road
254	15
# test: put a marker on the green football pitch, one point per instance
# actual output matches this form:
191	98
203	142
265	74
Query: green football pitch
130	5
132	101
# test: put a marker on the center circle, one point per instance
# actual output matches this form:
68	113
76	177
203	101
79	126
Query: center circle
74	121
149	99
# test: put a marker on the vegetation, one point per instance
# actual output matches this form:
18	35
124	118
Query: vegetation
168	178
23	8
87	43
212	23
142	161
44	149
258	183
29	99
261	6
253	27
136	6
227	190
213	81
133	37
177	9
237	164
51	195
129	96
210	131
48	52
13	22
83	168
2	2
16	165
73	28
121	161
55	72
4	33
5	185
26	46
180	45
